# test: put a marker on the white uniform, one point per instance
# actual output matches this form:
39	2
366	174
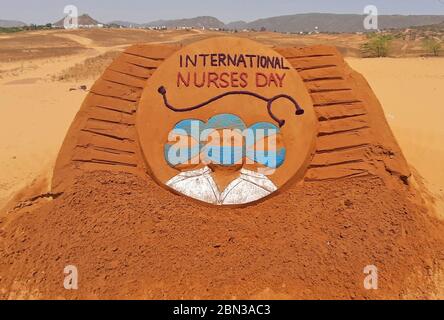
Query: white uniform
199	184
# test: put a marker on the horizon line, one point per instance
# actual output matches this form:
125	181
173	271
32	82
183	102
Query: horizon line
198	16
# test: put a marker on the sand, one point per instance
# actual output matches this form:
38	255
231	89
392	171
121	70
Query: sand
31	138
410	91
28	95
311	241
37	71
139	241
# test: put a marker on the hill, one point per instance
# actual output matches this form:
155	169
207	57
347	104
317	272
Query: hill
236	25
126	24
307	22
438	27
11	24
84	20
338	22
198	22
324	22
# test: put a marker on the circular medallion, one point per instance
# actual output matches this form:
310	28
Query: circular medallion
226	121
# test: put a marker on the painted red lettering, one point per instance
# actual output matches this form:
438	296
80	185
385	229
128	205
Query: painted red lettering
212	79
261	80
181	79
235	79
224	80
281	79
244	78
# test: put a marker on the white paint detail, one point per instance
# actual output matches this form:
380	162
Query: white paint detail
250	186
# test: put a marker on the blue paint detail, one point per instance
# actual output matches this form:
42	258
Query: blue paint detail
175	155
223	121
268	127
192	127
226	121
280	157
219	154
226	156
261	130
271	159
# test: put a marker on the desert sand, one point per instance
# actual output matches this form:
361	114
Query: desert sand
31	140
410	91
168	255
31	89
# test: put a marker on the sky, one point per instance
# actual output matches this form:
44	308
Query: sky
142	11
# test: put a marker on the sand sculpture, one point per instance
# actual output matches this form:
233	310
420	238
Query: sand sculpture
238	96
336	200
155	102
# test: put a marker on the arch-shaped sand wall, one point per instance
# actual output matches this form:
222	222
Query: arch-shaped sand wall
354	138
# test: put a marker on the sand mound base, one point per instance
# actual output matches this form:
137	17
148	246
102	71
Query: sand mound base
134	239
131	238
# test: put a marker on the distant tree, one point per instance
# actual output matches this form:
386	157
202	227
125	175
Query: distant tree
378	45
263	29
432	46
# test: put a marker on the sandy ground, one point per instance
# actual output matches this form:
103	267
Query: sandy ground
35	113
36	110
34	117
410	91
37	106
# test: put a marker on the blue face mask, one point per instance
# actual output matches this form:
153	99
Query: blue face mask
251	147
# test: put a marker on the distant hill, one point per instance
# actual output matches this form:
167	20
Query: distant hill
338	22
84	20
11	24
237	25
198	22
438	27
325	22
307	22
126	24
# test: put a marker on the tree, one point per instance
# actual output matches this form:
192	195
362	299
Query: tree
431	46
378	45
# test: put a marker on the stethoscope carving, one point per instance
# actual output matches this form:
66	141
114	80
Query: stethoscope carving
299	111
